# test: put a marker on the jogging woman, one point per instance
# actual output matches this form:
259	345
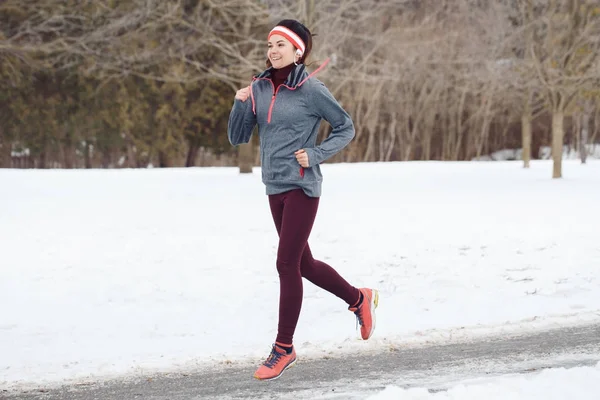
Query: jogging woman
288	105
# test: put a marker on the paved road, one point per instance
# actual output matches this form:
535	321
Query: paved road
358	376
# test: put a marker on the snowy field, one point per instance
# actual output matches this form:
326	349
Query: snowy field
110	272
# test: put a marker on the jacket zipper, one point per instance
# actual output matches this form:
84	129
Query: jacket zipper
272	101
271	108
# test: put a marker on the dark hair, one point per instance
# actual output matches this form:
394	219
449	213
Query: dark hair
299	29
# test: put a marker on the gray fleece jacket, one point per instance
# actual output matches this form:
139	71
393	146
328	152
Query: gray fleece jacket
288	120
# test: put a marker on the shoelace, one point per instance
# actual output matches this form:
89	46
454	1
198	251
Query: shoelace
359	320
273	358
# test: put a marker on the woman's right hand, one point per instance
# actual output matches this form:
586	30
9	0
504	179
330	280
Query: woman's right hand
243	94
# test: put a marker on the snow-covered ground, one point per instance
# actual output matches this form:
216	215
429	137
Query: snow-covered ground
581	383
107	272
544	153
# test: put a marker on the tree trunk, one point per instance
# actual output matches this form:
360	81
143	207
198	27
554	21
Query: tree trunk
585	132
526	134
310	13
484	134
5	155
163	160
408	143
43	156
68	149
370	144
526	118
372	125
131	161
246	157
596	126
246	151
558	134
68	155
105	159
192	154
87	156
392	134
5	151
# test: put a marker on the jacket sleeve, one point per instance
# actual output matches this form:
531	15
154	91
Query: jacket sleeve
327	107
242	121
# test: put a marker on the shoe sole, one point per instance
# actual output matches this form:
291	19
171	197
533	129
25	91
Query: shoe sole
290	365
374	305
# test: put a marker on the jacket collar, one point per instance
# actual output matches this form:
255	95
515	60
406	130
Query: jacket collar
296	76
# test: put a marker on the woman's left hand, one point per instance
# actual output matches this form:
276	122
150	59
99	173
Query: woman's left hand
302	158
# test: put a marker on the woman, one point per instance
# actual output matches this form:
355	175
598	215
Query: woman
288	105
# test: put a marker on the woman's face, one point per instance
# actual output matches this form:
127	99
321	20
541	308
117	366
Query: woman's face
281	52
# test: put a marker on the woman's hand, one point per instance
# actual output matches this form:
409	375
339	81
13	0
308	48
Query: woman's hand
302	158
243	94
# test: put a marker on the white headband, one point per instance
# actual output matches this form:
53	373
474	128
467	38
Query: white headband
289	35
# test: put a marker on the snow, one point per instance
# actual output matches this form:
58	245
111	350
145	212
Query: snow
110	272
544	153
552	384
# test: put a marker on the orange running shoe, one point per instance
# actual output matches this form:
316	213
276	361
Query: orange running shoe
277	362
365	312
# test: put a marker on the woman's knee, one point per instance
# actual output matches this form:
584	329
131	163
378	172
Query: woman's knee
287	267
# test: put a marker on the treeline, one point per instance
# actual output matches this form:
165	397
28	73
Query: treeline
134	83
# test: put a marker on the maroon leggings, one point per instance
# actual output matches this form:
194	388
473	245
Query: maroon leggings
294	214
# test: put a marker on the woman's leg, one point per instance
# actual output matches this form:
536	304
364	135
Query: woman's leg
294	214
327	278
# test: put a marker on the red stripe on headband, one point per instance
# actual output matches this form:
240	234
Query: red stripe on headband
289	35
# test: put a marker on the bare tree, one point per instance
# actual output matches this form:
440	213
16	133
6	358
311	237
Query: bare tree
585	129
565	57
